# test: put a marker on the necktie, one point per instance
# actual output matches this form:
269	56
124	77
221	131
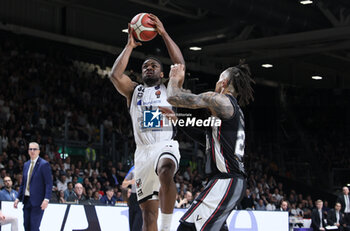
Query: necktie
319	211
30	173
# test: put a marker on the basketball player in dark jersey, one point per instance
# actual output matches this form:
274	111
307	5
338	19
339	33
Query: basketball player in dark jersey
225	143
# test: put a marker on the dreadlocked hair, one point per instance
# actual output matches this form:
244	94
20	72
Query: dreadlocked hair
241	80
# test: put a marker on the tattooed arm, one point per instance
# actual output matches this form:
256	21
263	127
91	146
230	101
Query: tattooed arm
219	104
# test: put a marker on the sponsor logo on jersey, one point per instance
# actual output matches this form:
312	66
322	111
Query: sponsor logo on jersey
152	102
138	183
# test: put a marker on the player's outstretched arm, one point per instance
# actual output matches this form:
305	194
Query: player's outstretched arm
122	82
173	50
218	104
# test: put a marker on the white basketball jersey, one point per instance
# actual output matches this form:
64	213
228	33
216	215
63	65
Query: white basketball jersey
148	123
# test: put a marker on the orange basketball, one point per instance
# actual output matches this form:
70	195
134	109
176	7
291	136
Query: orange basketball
143	27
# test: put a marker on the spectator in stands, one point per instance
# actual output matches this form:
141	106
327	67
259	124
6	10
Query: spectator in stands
187	201
69	175
187	175
61	199
317	217
272	182
78	195
121	173
79	174
335	217
284	206
67	164
88	170
344	200
277	195
113	179
69	191
193	163
87	184
8	194
299	210
99	188
62	182
96	196
255	200
108	198
90	153
91	199
4	140
300	198
2	176
291	198
271	206
260	205
293	210
2	160
325	207
89	194
119	195
97	168
247	201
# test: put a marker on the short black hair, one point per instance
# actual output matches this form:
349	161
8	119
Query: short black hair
156	59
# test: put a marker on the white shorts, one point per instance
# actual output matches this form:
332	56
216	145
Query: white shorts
146	161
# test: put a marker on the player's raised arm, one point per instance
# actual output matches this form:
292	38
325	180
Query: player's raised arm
218	104
122	82
173	50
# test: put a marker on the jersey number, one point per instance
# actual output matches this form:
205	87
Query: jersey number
240	143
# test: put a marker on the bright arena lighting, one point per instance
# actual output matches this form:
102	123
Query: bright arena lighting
316	77
195	48
125	30
305	2
267	65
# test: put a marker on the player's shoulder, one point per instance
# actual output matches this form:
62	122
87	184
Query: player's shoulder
232	99
138	91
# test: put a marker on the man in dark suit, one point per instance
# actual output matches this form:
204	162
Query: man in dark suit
317	217
335	217
78	196
36	188
344	200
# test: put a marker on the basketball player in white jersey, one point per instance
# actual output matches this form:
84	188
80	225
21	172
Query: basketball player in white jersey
157	154
225	145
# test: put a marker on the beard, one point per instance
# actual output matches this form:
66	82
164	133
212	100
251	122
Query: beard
151	80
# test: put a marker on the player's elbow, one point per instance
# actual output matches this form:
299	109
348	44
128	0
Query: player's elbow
113	75
172	100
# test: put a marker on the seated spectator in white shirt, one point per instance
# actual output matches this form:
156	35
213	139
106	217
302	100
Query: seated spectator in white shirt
271	206
62	183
